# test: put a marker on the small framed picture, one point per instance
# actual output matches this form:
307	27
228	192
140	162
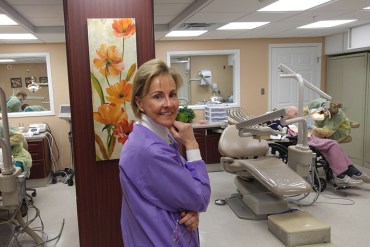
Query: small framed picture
15	82
28	81
43	80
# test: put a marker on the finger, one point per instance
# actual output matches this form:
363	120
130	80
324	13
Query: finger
185	219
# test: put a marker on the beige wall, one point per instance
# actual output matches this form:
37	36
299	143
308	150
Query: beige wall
59	128
254	64
254	58
221	75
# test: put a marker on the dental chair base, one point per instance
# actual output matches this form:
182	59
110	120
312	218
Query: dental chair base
272	178
298	228
300	159
254	201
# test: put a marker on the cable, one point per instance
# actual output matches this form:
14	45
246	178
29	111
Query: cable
350	201
51	141
23	229
56	146
55	238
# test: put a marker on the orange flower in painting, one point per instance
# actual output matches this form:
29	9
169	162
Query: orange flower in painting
123	129
110	61
110	114
123	28
119	92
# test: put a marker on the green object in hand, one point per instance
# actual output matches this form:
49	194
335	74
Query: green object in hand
185	115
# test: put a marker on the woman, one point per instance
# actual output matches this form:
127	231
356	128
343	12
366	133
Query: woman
162	192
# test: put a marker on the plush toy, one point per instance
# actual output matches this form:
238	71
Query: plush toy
335	125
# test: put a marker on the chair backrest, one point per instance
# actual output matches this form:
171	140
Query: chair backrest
234	146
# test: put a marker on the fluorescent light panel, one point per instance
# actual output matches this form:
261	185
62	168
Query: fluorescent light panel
186	33
325	24
16	36
367	8
6	21
6	60
242	25
293	5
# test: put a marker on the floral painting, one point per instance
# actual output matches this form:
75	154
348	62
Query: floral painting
113	62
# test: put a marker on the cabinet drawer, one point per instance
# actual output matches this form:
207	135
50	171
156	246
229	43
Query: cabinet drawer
34	146
40	153
199	132
37	156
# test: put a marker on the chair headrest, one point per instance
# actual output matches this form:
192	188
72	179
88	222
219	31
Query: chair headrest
232	145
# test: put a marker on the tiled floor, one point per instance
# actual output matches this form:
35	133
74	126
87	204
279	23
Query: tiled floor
347	212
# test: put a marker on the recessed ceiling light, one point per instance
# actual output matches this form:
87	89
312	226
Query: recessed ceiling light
6	60
186	33
324	24
242	25
17	36
293	5
6	21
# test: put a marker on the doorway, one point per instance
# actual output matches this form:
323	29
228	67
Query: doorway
304	59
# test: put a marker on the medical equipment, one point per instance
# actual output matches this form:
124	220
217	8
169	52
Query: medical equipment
262	180
289	73
33	87
266	185
36	129
206	79
11	178
65	112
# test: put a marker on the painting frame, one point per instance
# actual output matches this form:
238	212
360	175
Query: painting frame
16	82
43	80
27	81
113	63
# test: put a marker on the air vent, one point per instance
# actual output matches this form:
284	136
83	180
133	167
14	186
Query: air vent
196	26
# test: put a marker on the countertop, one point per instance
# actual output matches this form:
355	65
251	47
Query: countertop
34	137
209	125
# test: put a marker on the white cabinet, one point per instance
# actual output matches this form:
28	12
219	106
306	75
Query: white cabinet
348	80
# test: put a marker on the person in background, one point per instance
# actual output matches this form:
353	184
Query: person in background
344	170
162	192
31	108
14	103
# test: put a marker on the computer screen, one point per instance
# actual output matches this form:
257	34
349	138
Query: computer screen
65	111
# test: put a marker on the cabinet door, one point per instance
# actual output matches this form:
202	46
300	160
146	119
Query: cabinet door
39	151
213	155
346	82
200	136
367	120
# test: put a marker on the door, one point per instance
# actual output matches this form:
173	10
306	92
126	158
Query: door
367	117
346	82
304	59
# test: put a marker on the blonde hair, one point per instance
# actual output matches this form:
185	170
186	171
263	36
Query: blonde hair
143	80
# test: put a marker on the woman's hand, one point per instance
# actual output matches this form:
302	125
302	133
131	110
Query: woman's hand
190	219
183	133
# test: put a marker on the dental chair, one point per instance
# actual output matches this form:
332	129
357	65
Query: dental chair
262	181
